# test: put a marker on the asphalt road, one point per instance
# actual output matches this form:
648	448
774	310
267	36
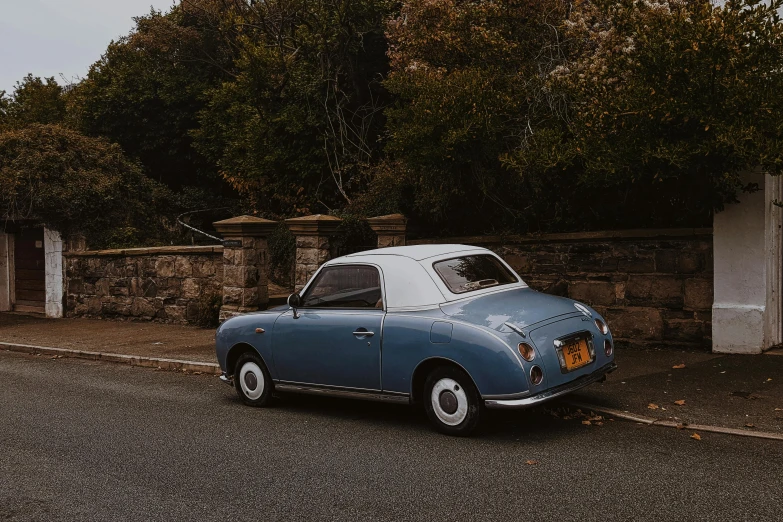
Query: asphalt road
90	441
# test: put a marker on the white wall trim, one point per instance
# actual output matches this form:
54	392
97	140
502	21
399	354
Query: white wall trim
53	264
773	327
748	253
6	271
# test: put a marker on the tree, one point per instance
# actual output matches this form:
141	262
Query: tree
77	184
34	100
147	89
468	78
297	124
668	103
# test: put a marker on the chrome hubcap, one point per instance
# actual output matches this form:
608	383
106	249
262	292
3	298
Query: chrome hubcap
449	401
251	380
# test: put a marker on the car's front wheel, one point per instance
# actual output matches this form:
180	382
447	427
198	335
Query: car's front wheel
452	401
252	380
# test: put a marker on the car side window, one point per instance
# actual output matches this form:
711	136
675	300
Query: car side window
345	286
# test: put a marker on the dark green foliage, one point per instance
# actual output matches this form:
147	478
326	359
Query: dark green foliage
146	90
282	255
76	184
298	124
33	101
206	310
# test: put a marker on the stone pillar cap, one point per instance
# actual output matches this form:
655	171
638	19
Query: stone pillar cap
389	224
317	224
245	226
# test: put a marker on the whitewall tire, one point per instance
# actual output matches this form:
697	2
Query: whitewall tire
452	401
252	380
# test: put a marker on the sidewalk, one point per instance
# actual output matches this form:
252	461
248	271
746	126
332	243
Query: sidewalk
731	391
142	339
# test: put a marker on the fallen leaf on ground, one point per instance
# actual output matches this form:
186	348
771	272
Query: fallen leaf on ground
599	423
749	425
696	436
679	366
682	425
531	462
778	409
680	402
652	406
769	379
586	422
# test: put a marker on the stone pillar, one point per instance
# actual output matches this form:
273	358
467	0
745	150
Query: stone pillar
313	244
748	251
245	281
390	229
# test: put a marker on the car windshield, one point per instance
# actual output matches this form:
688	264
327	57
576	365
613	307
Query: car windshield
465	274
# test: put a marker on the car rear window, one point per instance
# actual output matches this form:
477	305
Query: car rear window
468	273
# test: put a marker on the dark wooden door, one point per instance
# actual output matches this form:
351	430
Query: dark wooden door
30	282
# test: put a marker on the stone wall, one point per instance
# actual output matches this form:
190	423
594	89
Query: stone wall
653	286
171	284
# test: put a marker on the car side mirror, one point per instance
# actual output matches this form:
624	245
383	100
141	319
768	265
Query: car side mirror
295	301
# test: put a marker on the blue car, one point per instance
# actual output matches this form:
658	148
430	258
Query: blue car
451	327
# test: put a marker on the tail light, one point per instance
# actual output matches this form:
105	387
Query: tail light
536	375
608	349
526	351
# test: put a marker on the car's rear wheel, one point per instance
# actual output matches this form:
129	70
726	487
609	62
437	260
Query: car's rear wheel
452	401
252	380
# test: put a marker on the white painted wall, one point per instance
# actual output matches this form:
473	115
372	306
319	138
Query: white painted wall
746	238
53	263
6	273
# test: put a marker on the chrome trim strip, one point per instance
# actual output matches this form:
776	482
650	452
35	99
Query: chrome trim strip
516	328
552	393
350	393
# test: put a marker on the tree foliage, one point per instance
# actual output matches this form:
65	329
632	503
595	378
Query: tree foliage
34	100
468	80
669	103
147	89
296	127
76	184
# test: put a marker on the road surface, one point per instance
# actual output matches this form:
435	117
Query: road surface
82	440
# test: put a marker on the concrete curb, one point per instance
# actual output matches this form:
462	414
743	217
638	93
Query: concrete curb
652	421
133	360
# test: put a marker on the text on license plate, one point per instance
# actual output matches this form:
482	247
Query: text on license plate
576	354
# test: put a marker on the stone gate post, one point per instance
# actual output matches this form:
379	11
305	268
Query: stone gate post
313	244
245	259
390	229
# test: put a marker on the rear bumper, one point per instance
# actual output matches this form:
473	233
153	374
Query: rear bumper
551	393
226	379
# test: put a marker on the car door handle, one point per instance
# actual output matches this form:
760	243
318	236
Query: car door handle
360	333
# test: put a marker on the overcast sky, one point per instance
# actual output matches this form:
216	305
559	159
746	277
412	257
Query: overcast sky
53	37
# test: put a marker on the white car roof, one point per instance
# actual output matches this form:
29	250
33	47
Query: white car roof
410	281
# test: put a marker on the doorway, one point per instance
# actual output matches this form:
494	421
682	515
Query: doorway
29	271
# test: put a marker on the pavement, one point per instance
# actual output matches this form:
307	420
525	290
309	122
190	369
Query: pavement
734	391
141	339
82	440
741	392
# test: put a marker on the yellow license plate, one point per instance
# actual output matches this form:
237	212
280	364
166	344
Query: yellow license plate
576	354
